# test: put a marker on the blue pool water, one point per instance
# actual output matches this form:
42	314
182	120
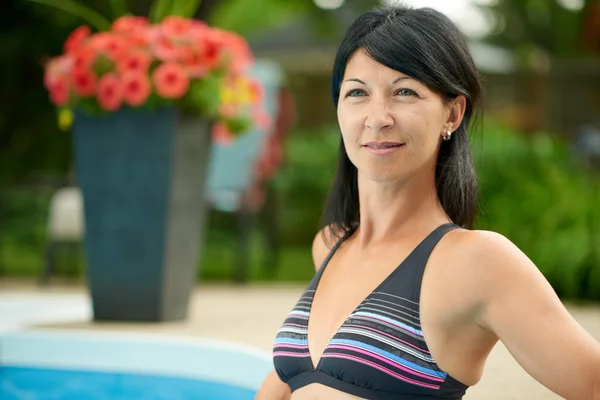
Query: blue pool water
57	365
18	383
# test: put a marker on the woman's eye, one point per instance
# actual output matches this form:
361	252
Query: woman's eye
406	92
355	93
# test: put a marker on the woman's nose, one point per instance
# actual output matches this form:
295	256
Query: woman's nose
378	117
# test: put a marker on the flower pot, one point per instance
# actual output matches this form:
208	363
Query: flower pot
142	176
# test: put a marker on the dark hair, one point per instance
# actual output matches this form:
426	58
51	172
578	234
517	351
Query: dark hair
424	44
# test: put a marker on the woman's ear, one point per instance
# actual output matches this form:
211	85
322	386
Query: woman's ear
457	112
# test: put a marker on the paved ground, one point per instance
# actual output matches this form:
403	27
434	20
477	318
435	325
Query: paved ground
249	315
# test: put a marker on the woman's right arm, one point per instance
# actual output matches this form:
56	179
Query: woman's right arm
273	389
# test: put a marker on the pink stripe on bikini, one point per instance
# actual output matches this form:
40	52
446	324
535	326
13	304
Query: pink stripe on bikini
383	369
288	354
390	336
385	360
291	346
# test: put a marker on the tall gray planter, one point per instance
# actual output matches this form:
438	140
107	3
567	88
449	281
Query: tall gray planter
142	176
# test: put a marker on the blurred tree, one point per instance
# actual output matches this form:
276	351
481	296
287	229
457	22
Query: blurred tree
552	26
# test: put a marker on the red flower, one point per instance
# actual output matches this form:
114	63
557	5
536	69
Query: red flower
110	94
83	58
176	27
129	24
136	60
59	91
84	82
236	51
262	119
136	88
229	110
221	135
164	49
171	80
77	38
57	68
257	91
112	45
211	51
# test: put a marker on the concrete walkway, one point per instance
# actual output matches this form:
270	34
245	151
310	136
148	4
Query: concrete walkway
249	315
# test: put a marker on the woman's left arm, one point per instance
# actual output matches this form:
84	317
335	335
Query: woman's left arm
523	311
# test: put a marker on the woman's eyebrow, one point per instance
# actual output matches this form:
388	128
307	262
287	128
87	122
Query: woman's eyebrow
401	78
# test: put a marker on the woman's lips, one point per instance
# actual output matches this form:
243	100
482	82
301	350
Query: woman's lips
382	148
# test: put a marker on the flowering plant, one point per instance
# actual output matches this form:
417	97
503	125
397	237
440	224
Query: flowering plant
179	61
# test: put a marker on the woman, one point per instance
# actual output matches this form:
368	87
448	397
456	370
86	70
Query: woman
408	301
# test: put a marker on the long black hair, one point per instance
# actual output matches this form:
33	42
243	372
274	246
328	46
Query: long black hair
424	44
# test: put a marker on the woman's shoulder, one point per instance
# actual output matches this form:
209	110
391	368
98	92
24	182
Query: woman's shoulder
487	257
485	247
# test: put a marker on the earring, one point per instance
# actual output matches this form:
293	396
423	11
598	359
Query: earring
447	136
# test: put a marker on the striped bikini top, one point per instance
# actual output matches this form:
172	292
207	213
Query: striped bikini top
379	351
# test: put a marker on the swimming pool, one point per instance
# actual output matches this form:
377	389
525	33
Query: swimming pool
70	365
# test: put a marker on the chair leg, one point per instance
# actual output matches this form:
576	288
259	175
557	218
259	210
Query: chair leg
271	229
74	249
245	219
49	263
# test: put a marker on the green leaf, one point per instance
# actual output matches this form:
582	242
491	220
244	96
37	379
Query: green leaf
92	17
119	8
159	10
204	96
185	8
191	8
103	64
239	125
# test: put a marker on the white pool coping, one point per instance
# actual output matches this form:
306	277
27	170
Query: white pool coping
139	353
21	310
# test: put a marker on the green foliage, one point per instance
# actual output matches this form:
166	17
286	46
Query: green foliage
201	96
535	193
311	160
159	9
526	25
89	15
119	8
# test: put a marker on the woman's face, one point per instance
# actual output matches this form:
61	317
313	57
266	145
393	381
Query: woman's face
391	124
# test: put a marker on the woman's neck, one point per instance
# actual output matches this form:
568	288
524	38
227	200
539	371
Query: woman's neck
390	211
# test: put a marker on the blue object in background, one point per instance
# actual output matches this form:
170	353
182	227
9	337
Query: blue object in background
92	365
22	383
231	166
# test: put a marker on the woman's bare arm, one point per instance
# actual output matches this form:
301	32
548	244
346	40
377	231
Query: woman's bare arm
273	389
524	312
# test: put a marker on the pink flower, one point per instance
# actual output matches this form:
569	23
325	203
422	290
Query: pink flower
229	110
236	52
57	68
77	39
129	24
83	58
136	60
176	27
164	49
136	88
110	94
171	80
221	135
262	119
59	91
84	82
112	45
257	91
